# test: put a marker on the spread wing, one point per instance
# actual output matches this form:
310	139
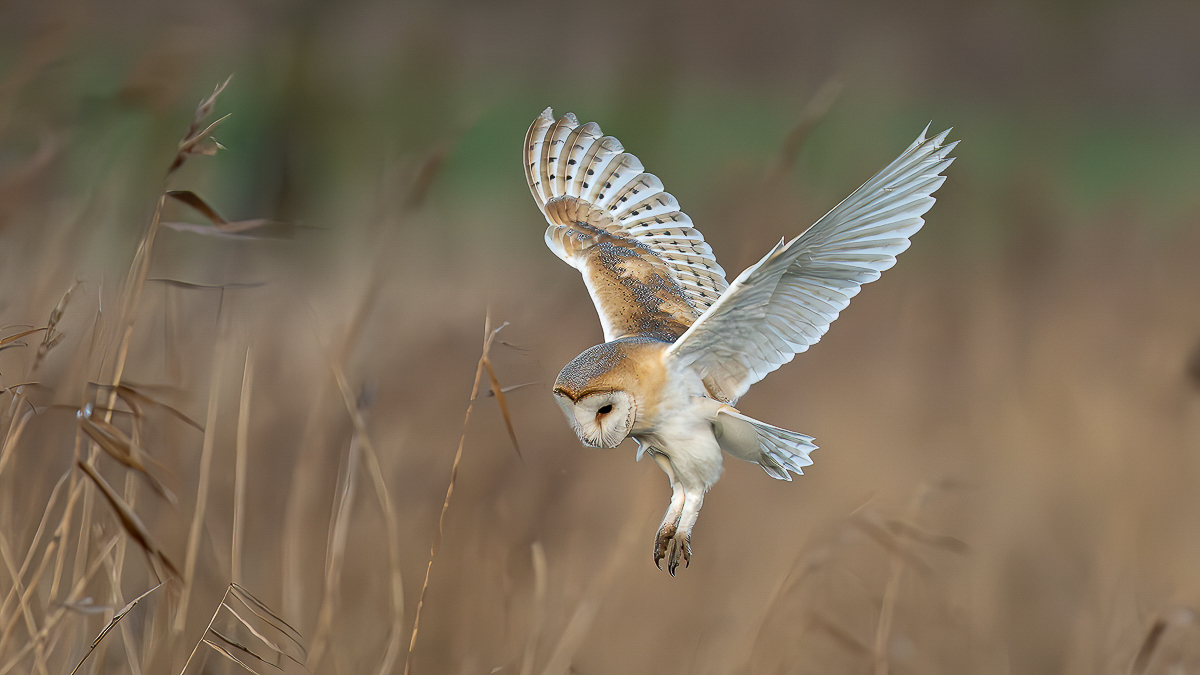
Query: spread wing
649	272
785	302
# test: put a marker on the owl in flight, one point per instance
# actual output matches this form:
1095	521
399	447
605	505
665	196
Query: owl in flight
681	343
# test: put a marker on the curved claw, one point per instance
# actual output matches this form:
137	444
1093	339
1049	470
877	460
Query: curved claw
681	548
662	545
673	545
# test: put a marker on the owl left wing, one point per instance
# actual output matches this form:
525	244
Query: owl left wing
649	272
785	302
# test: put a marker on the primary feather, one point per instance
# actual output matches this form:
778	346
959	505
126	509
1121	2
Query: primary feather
785	302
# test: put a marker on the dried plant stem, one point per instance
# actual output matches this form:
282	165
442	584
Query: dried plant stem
559	662
539	606
227	647
135	283
395	633
117	569
33	546
206	452
239	476
64	524
23	597
891	592
305	480
489	337
391	522
1145	653
53	620
339	532
115	620
887	611
114	569
11	438
85	527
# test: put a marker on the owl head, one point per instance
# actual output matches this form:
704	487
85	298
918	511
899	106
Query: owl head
598	392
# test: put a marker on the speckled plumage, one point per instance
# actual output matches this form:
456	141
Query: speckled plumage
681	343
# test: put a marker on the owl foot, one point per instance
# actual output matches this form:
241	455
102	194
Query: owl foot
674	545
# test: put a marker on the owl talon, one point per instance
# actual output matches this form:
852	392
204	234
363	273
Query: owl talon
681	549
662	545
674	546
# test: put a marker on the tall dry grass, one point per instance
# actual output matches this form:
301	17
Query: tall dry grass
230	442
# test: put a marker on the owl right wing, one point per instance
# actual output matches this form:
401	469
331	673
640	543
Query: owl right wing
649	272
785	302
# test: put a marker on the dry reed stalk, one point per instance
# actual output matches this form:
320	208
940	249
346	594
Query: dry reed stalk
10	439
305	478
51	337
99	430
814	111
34	544
131	299
134	285
391	523
55	617
206	453
538	553
231	649
489	335
304	482
112	623
64	524
116	566
129	520
848	640
498	392
6	341
1141	661
559	662
339	532
239	475
900	559
125	450
138	402
23	597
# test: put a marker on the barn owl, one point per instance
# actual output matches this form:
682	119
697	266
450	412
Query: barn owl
682	344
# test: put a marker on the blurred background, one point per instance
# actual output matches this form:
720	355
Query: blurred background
1009	420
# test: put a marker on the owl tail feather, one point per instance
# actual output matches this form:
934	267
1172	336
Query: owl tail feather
776	450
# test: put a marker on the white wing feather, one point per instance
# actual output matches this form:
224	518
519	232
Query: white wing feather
785	302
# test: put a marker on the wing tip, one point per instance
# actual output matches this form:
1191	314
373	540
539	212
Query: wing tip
936	142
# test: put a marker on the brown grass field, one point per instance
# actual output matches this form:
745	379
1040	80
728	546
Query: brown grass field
252	425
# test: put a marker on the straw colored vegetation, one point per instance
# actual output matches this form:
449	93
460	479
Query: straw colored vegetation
239	444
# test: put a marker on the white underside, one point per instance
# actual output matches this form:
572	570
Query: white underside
688	436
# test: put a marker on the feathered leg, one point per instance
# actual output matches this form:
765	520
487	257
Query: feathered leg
674	539
670	523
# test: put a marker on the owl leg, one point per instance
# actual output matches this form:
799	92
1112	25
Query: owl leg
682	541
666	532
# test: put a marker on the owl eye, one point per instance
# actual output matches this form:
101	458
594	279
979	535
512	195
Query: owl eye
605	410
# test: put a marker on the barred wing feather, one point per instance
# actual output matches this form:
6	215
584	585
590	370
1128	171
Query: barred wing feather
785	302
600	202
